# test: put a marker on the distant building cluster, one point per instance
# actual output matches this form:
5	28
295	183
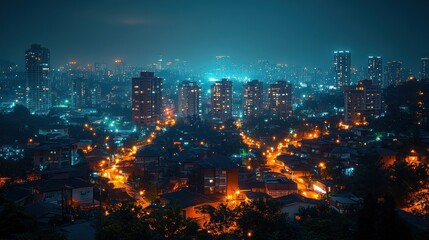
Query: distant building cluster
213	94
99	137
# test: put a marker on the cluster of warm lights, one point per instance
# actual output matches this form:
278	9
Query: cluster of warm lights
169	118
412	157
249	141
343	126
88	127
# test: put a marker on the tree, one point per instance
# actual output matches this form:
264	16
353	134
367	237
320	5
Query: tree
15	223
366	219
222	223
379	221
151	189
20	111
263	220
14	220
420	202
123	222
131	140
169	223
370	177
335	169
406	181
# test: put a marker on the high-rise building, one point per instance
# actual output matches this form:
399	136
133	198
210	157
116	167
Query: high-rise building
146	99
223	66
37	68
189	101
342	63
221	100
358	73
100	72
237	104
393	73
159	65
317	77
362	102
280	99
85	93
424	70
253	99
119	71
375	69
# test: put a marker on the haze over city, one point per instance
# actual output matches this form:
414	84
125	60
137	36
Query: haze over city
303	33
214	120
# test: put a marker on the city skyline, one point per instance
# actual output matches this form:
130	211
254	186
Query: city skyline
228	119
301	34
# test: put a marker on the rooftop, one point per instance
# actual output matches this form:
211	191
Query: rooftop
346	198
149	151
187	198
53	185
296	198
218	161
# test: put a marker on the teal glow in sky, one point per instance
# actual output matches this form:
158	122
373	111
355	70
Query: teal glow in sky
300	32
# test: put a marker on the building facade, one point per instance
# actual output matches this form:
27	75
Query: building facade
85	93
221	100
424	69
151	161
218	174
253	99
49	156
101	73
375	69
37	69
280	100
189	99
119	70
362	102
342	64
393	73
147	99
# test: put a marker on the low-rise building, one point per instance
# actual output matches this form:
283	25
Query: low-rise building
323	186
295	167
55	155
72	191
57	130
218	174
191	203
150	159
345	203
280	187
292	203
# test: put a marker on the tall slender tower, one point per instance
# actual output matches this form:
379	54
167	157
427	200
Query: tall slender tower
38	89
100	72
280	100
424	71
221	100
375	70
253	99
119	71
146	99
189	99
393	73
342	63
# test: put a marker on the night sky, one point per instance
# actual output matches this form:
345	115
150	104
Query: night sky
301	32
